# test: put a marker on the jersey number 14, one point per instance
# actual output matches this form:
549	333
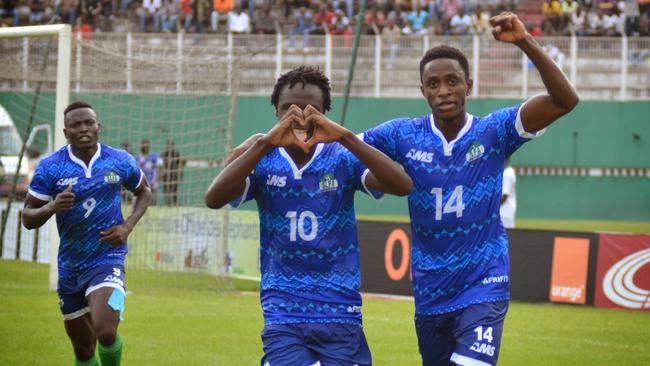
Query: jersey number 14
453	205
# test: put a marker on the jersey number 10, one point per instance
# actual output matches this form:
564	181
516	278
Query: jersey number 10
454	203
298	224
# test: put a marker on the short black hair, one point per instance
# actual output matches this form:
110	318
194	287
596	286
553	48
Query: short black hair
305	75
445	52
76	105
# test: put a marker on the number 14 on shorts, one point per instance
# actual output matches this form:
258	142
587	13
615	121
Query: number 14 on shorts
483	336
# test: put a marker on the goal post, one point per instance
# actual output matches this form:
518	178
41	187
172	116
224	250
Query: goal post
62	33
175	91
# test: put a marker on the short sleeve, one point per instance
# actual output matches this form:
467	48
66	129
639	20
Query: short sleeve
509	181
133	175
247	195
384	138
41	186
512	133
359	174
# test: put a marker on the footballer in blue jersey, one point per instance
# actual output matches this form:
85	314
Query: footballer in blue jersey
303	174
80	184
460	264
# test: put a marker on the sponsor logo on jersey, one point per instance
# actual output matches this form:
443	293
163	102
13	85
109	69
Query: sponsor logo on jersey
476	150
418	155
277	181
328	183
111	178
67	181
354	309
483	348
496	279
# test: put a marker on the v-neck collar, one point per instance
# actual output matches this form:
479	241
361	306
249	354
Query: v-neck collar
449	146
297	173
88	169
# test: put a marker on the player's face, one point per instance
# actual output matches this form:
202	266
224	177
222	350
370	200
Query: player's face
445	87
82	128
302	97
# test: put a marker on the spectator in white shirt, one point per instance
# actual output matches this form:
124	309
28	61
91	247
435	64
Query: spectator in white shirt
150	10
238	21
460	24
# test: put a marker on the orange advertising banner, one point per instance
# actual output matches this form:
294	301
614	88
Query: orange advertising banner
569	273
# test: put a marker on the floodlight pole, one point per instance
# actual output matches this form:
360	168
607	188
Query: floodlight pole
357	37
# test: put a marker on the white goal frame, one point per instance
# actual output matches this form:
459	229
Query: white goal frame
63	33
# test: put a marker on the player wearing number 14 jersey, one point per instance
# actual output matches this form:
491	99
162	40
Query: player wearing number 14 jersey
460	262
305	172
80	184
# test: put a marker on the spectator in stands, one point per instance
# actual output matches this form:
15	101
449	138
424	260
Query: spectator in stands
238	21
449	8
632	16
264	22
21	13
577	23
323	18
69	11
8	11
40	11
172	173
340	23
399	16
460	24
105	15
375	21
83	26
390	35
169	15
302	25
552	10
569	7
220	9
596	24
149	162
418	21
150	10
480	20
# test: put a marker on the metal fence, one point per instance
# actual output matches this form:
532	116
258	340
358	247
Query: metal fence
600	67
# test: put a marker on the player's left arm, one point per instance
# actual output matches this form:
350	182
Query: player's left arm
385	175
117	235
542	110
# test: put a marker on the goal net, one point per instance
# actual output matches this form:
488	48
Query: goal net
167	99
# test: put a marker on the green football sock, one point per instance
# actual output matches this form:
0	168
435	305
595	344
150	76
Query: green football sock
92	362
111	355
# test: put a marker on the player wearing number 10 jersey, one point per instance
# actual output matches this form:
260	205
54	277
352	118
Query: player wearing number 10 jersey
80	183
460	262
305	172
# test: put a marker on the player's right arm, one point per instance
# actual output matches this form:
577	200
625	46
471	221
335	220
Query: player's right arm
231	182
36	212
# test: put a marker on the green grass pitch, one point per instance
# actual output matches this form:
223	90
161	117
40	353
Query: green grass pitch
167	326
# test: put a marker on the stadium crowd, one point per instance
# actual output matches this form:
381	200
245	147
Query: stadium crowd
392	18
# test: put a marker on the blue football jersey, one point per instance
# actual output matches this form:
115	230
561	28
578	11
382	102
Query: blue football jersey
460	248
309	251
97	204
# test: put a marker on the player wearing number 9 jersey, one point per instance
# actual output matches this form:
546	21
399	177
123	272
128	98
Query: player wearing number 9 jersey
303	174
460	265
80	183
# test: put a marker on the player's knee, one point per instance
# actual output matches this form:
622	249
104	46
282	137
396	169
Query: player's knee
84	349
105	334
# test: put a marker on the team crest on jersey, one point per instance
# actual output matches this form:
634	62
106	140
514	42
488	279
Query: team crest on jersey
328	183
275	180
67	181
111	178
476	150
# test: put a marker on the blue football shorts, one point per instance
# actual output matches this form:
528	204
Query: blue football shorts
73	290
322	344
468	337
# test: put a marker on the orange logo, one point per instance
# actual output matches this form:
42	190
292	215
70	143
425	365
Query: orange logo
569	274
